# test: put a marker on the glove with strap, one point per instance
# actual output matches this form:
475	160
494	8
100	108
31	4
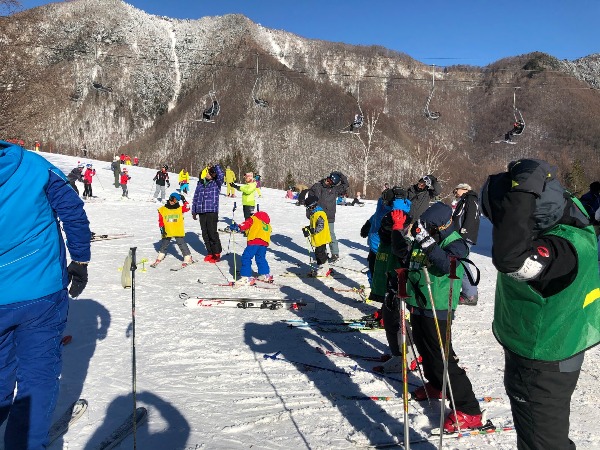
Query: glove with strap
422	236
306	231
78	277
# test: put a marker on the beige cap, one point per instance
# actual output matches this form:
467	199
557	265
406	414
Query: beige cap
463	186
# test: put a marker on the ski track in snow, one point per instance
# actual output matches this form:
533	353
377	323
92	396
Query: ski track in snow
201	372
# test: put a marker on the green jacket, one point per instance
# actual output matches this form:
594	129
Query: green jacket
385	262
440	282
557	327
248	193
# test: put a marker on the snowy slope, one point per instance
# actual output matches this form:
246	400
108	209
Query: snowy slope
202	372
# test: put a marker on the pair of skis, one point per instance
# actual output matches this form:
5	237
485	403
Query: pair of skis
245	302
76	411
107	237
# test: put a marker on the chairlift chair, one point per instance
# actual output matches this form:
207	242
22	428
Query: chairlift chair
257	100
518	125
430	114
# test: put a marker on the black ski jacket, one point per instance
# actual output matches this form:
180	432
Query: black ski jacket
328	195
466	216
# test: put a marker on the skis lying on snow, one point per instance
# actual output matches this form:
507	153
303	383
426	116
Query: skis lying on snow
124	430
245	302
69	417
335	327
233	285
311	275
380	358
107	237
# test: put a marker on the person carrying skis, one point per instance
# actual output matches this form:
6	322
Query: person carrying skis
318	232
124	180
76	175
35	301
170	223
248	191
547	308
87	181
229	179
327	190
435	243
184	181
205	208
466	219
161	179
258	234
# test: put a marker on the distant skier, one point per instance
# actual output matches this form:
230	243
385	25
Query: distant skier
76	175
124	180
161	179
87	181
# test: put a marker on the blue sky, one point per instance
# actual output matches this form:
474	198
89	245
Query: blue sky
441	32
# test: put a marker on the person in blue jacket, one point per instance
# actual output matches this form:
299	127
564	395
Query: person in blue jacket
34	301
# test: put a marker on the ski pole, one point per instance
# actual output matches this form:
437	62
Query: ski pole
233	238
439	336
309	247
99	182
402	296
133	359
445	377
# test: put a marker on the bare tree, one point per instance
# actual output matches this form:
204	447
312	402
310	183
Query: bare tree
368	144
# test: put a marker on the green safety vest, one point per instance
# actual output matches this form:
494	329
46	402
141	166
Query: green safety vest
558	327
440	282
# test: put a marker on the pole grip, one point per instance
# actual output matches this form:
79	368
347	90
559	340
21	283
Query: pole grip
452	275
402	280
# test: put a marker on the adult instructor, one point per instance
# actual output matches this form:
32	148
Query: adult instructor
327	191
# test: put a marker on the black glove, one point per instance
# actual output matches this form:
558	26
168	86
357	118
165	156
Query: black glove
168	184
163	233
78	277
364	231
194	217
235	186
432	178
182	199
306	231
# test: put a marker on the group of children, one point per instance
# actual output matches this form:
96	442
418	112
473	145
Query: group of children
256	227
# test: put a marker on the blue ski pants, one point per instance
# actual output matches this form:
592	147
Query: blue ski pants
30	358
259	253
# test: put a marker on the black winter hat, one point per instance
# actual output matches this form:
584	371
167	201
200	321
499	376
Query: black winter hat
439	216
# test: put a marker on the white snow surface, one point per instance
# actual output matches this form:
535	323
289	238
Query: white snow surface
202	373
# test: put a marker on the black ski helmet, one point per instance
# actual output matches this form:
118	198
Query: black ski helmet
165	167
311	200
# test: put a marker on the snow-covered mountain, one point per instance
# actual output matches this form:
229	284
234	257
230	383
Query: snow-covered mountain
104	73
202	373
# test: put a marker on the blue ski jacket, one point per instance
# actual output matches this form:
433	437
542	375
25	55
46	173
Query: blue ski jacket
33	260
